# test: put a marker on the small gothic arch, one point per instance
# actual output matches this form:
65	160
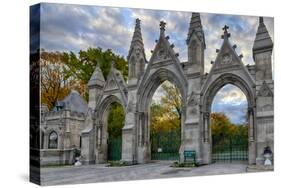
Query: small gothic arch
193	51
133	67
53	140
101	125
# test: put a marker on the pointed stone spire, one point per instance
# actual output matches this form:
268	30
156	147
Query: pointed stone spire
263	41
97	78
136	57
195	27
137	38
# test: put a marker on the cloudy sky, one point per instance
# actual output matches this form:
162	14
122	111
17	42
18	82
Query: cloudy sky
76	27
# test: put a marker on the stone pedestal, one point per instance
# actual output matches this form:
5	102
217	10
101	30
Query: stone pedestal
88	147
128	149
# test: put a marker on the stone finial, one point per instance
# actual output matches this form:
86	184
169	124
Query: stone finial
162	27
226	34
225	28
261	19
138	22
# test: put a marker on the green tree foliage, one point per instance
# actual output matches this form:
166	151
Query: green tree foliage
62	72
82	66
116	119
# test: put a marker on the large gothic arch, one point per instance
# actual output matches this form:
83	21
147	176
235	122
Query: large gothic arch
209	93
154	80
144	97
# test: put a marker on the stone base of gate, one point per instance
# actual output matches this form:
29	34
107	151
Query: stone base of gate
206	153
128	150
252	153
259	168
143	154
88	146
84	162
101	158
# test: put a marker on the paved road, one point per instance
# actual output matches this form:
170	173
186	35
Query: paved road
161	169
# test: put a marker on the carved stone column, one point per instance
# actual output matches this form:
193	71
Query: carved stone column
206	116
251	123
252	142
143	151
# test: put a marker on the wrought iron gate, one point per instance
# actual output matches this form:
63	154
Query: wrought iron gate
229	149
165	145
114	148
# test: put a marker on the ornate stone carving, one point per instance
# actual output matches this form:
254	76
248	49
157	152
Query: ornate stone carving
267	107
192	100
265	91
193	111
226	58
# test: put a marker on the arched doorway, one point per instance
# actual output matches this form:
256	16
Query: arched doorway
115	121
207	101
144	115
165	131
109	124
229	125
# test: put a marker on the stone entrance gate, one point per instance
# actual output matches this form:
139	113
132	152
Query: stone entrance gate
197	90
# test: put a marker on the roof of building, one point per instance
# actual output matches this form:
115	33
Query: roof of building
73	102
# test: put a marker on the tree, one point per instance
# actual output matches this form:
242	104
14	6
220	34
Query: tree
172	98
116	119
166	115
82	66
55	85
61	72
221	125
222	129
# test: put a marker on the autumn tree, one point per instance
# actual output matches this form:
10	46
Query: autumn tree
222	128
62	72
166	114
221	125
53	82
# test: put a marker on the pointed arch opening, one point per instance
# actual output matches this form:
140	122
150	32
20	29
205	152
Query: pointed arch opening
165	122
53	140
111	119
115	123
246	91
229	125
144	101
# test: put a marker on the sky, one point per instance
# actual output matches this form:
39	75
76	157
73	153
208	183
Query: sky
78	27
